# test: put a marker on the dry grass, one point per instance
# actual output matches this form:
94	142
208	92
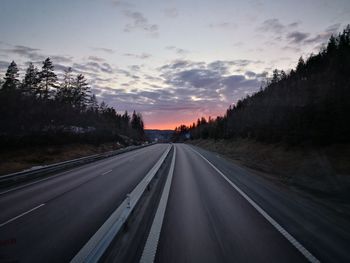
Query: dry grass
21	159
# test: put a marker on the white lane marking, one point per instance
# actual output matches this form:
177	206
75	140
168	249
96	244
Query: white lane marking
107	172
16	217
280	229
150	249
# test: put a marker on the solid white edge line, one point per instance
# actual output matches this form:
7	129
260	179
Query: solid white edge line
150	249
16	217
280	229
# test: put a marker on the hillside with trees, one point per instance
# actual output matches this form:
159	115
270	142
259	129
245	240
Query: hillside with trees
40	109
308	105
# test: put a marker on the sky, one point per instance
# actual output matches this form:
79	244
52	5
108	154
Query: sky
173	61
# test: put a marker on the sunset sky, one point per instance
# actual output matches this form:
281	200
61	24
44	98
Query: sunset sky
173	61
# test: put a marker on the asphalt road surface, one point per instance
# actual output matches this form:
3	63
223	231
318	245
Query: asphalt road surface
206	220
49	221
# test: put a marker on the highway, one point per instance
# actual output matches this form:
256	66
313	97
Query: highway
51	220
210	210
208	221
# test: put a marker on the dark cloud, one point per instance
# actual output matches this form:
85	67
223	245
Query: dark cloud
140	22
297	37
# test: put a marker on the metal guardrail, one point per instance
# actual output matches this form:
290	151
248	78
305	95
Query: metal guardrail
94	249
18	177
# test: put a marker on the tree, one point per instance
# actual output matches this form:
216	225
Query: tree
48	79
301	65
137	124
11	78
275	76
31	80
81	92
64	90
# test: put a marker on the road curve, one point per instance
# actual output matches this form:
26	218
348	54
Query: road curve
49	221
206	220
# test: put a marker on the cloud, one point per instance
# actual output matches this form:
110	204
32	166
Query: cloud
191	88
102	49
140	22
179	51
96	59
93	67
61	59
209	81
297	37
171	12
323	36
140	56
27	52
272	25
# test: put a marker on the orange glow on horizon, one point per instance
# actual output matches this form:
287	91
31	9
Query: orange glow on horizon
171	125
166	126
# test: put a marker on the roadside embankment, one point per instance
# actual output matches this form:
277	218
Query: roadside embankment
16	160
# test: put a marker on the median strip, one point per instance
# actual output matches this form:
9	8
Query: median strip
289	237
150	249
94	249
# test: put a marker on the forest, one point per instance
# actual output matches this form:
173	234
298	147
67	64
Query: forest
308	105
40	109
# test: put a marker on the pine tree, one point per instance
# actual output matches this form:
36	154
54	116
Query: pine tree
48	79
11	78
65	89
31	80
81	92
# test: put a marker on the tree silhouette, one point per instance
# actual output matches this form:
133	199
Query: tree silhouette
48	79
32	113
31	80
11	78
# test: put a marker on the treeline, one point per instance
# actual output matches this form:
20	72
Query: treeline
310	104
40	109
